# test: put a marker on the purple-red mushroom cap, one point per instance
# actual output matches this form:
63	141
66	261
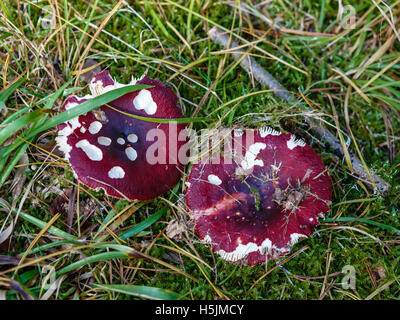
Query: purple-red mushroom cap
108	149
260	205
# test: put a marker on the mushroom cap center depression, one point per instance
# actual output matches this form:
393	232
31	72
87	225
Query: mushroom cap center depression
247	207
121	137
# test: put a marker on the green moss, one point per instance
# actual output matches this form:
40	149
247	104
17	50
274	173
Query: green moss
159	51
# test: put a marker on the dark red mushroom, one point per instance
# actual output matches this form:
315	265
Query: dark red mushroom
108	150
260	205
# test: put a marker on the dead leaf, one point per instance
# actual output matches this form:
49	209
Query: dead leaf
8	260
5	236
380	270
87	76
175	229
60	204
18	182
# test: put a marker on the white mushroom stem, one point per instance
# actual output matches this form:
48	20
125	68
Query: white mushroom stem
264	78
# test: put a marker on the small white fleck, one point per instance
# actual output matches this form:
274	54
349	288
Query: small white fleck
94	153
131	153
97	87
71	105
121	141
250	157
144	101
242	250
295	237
213	179
268	130
82	129
294	142
207	239
62	138
104	141
132	138
116	173
95	127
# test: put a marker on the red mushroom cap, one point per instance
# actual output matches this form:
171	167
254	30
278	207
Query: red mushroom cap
108	150
261	204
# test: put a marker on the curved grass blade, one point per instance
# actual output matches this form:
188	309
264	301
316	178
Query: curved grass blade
376	224
157	120
11	164
83	108
95	258
51	245
143	225
89	105
41	224
18	124
144	292
6	93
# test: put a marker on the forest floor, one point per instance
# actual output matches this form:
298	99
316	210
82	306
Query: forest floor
344	69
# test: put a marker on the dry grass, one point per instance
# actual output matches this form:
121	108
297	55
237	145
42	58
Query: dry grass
103	248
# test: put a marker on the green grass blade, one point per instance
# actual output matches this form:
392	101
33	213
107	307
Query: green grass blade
92	259
15	115
143	225
159	120
51	245
14	160
18	124
89	105
41	224
368	221
144	292
9	91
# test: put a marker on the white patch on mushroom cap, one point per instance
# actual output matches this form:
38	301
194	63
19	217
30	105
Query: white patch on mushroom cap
131	153
268	130
213	179
250	157
94	153
207	239
70	105
121	141
144	101
95	127
97	87
62	138
242	250
116	173
104	141
295	237
82	129
294	142
238	132
132	138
